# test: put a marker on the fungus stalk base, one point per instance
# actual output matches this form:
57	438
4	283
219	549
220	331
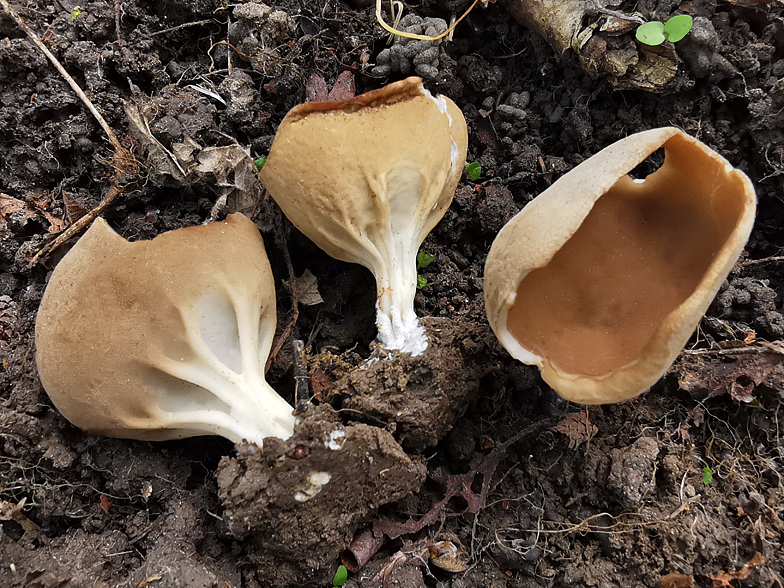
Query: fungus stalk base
398	325
403	334
220	402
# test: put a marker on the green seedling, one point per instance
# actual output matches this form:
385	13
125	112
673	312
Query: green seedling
341	576
76	12
423	260
656	33
707	475
473	170
259	162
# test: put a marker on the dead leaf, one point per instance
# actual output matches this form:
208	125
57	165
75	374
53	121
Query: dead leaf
220	161
162	165
723	579
184	151
40	200
578	428
343	89
676	581
316	88
73	210
307	289
448	554
56	224
105	503
232	168
319	383
146	583
559	23
9	205
731	371
456	485
13	512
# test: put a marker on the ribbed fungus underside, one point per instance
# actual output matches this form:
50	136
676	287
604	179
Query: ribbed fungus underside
640	253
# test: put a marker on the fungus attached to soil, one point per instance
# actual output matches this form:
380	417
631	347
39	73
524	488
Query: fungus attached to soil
601	279
163	339
366	180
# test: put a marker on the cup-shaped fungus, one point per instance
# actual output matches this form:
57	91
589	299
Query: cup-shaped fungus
163	339
367	179
601	279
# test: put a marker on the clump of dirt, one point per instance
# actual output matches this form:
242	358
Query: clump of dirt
302	500
419	398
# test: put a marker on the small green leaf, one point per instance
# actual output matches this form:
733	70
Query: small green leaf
341	576
651	33
424	260
421	282
259	163
473	170
678	27
707	475
76	12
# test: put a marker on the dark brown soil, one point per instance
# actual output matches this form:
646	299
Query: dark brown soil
522	489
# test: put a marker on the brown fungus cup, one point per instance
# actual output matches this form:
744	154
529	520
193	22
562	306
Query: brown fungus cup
602	279
367	179
163	339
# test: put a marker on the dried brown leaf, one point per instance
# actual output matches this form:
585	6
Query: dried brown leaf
320	383
307	289
10	205
148	582
676	581
73	210
56	224
448	553
343	89
723	579
578	428
316	88
736	374
13	512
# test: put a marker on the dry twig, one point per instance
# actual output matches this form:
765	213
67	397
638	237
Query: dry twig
294	297
123	160
80	224
71	82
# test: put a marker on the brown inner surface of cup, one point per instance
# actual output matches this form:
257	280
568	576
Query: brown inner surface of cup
640	253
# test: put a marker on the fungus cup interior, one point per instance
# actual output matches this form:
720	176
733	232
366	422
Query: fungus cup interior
643	249
606	309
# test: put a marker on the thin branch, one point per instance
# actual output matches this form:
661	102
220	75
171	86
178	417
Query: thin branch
763	260
117	11
71	82
80	224
294	297
761	347
301	388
